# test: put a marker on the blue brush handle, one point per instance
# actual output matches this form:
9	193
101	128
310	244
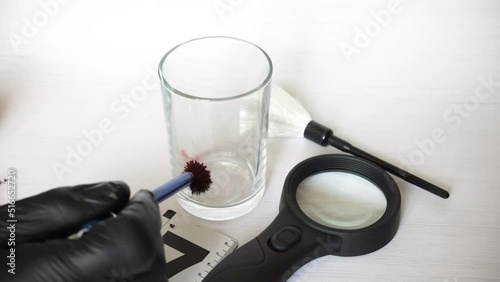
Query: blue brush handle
171	187
161	193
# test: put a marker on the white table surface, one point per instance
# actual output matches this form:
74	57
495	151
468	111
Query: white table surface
62	68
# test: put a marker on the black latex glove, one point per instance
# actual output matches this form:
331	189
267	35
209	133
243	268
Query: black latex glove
126	248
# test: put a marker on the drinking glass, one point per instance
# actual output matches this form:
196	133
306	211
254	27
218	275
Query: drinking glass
216	95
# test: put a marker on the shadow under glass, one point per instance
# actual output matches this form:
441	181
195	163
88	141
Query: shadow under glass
341	200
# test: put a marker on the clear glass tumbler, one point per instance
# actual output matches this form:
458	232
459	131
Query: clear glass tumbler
216	93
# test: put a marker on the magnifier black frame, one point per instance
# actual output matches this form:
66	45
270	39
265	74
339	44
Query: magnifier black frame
293	239
374	236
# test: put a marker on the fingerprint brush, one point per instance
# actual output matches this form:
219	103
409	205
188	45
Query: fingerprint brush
195	175
288	118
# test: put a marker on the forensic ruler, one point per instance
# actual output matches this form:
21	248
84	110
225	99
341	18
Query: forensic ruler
192	251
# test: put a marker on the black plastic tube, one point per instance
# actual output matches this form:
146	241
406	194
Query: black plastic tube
324	136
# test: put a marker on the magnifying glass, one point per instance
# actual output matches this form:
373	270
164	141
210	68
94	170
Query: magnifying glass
330	205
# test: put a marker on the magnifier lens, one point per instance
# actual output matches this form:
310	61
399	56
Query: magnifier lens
341	200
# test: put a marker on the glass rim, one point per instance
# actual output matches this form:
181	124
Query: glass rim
165	83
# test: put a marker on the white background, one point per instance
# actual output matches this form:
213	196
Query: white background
62	69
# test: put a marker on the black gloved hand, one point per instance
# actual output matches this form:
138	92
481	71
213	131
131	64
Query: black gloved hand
126	248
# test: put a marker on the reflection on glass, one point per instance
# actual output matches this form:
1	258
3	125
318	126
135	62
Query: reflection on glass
341	200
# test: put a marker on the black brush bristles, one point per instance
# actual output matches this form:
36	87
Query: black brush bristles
201	177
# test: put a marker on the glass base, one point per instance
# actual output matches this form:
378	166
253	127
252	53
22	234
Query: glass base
234	191
220	213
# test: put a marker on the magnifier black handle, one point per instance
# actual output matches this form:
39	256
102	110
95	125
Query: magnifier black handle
246	264
323	135
275	254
